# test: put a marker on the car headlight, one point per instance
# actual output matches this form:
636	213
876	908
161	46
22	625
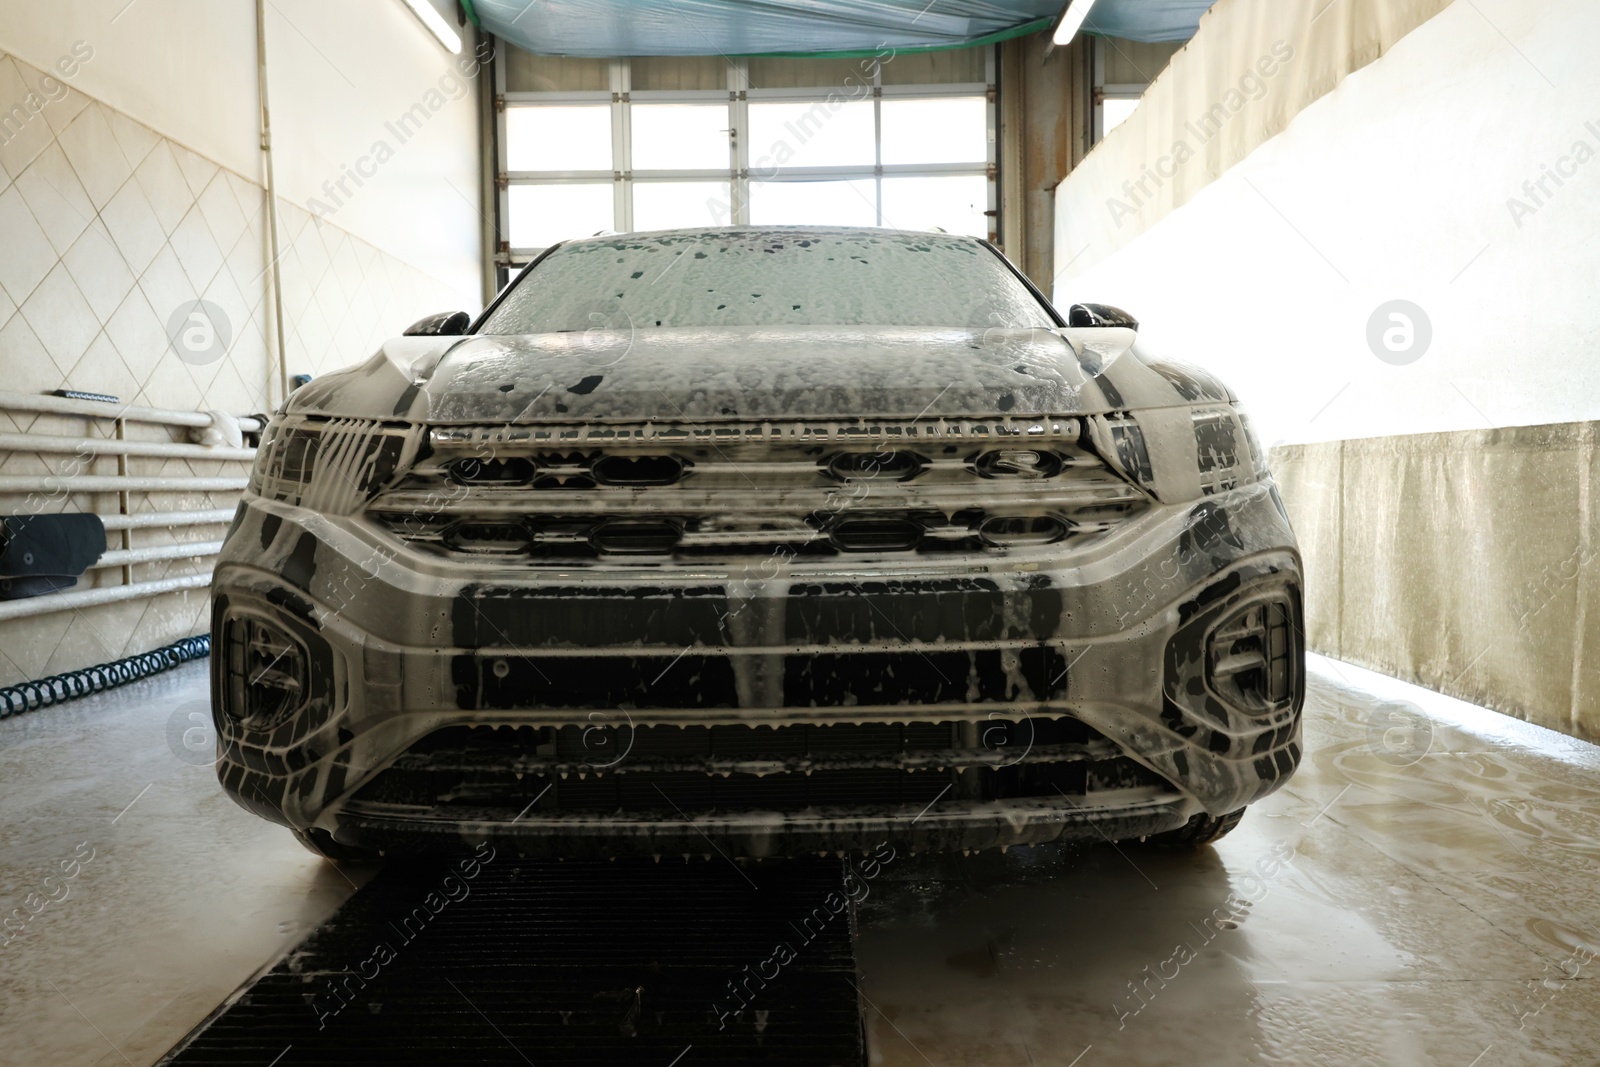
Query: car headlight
1182	453
328	465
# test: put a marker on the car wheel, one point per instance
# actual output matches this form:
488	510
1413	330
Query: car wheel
1202	829
322	843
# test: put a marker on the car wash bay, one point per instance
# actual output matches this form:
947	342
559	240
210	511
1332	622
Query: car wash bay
1374	910
1374	221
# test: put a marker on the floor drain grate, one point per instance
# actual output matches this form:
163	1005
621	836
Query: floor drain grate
511	962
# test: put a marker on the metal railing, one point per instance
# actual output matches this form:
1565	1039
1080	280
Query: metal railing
122	553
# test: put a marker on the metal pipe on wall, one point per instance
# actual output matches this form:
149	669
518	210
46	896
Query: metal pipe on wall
108	446
100	409
488	153
113	483
1010	152
147	520
124	505
128	556
84	598
270	191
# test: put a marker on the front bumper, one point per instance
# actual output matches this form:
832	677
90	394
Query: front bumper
1094	665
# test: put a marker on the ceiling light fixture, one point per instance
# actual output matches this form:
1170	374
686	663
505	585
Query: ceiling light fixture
1071	20
429	17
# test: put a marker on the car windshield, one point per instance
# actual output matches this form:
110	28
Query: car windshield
768	277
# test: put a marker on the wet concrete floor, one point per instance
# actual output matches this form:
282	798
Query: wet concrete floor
1422	892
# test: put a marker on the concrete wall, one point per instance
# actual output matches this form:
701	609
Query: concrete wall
134	188
1437	485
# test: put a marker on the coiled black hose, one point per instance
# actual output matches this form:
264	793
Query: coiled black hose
58	688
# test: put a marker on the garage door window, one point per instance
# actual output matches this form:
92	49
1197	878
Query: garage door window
541	215
669	205
842	142
680	136
558	138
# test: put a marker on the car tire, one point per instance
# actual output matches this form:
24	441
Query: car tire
322	843
1200	830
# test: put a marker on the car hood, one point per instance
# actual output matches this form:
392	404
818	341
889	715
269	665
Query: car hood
745	373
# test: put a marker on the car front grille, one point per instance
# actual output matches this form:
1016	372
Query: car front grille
609	769
803	680
649	494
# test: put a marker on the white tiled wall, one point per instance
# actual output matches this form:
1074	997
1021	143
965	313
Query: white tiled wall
106	228
342	297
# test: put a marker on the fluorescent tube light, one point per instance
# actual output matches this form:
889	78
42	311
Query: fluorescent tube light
439	27
1072	17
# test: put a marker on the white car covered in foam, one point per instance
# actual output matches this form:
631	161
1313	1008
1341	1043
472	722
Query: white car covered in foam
781	539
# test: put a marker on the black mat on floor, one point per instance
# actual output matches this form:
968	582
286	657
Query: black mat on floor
511	962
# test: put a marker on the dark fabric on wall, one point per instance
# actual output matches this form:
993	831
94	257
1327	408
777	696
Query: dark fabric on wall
36	585
1464	562
40	553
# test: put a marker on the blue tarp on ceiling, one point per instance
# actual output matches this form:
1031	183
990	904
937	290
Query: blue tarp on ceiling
752	27
1147	20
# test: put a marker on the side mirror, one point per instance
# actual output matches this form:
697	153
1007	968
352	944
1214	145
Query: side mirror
444	324
1100	315
1099	333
